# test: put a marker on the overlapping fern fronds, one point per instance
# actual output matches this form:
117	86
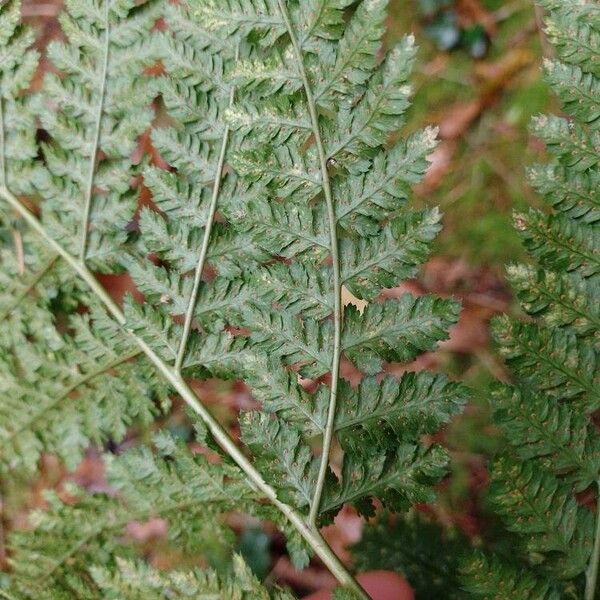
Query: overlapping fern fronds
280	193
67	384
316	187
547	413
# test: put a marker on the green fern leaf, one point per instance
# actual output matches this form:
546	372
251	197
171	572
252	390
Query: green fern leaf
540	427
372	263
88	388
493	578
559	242
575	194
427	554
379	414
556	362
97	114
18	63
536	505
574	29
577	90
561	300
396	330
546	412
137	581
70	538
400	480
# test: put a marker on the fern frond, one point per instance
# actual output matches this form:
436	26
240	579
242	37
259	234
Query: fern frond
560	299
572	193
574	145
380	110
577	90
556	362
545	513
296	288
379	414
574	30
542	427
397	330
353	58
403	478
546	412
494	578
88	111
136	581
366	198
282	230
60	390
296	341
243	18
561	242
427	554
380	261
313	181
283	455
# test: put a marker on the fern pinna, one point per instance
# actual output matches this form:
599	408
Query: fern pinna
547	414
281	192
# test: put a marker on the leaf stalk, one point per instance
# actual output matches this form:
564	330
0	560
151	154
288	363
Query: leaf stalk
335	259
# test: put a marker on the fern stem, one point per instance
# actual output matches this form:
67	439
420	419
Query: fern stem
312	537
94	152
335	259
591	575
189	316
34	281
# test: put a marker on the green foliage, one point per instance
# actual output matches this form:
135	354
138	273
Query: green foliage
137	581
275	120
18	63
358	106
495	579
274	208
78	548
422	551
65	381
94	132
546	412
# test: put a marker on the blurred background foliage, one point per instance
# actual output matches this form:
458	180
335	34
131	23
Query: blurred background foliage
478	78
